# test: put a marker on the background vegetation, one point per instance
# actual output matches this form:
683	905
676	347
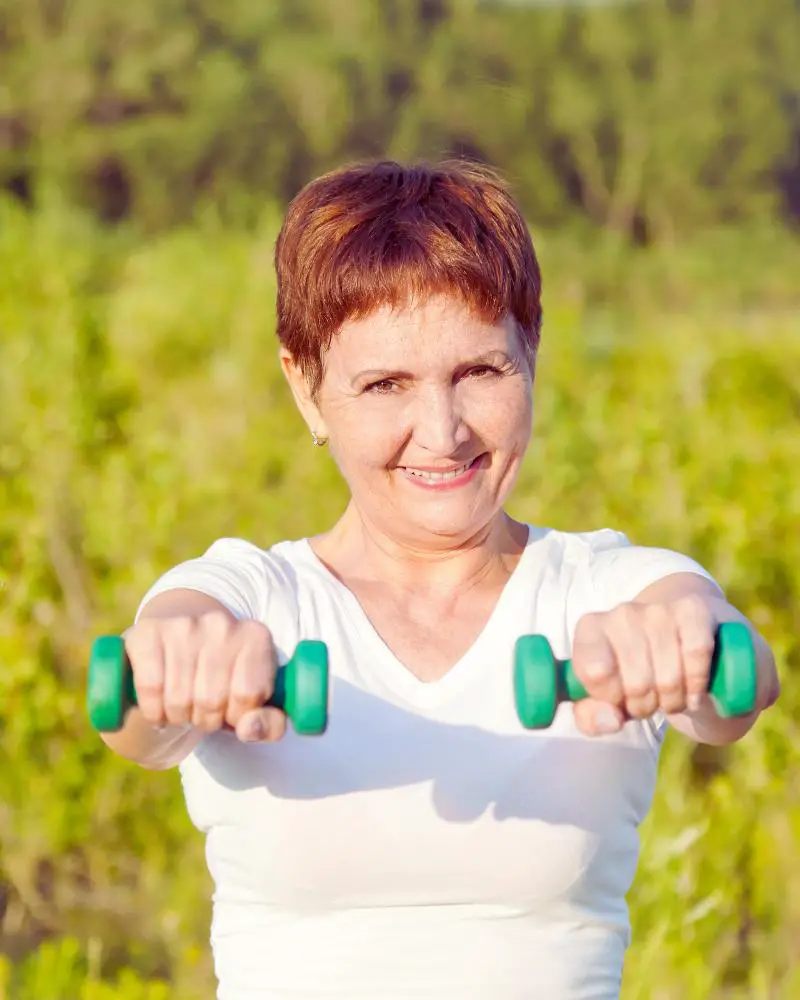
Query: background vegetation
146	153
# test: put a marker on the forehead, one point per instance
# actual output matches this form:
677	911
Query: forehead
438	327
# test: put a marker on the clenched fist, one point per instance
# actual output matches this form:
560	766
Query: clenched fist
641	658
210	671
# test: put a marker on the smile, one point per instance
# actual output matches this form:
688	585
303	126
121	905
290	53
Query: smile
433	477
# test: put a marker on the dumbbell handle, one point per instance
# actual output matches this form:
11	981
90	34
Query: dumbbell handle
300	688
724	683
542	682
569	687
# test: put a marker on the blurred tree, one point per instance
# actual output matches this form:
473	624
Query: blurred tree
653	118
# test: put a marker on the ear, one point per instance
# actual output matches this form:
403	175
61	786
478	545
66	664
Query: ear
301	391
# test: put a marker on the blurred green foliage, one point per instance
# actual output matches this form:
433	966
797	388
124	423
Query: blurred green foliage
144	415
654	118
148	151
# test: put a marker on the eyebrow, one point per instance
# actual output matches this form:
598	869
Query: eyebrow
494	357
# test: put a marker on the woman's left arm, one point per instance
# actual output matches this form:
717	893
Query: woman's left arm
655	652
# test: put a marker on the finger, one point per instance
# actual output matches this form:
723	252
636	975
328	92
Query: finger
696	630
146	655
598	718
628	635
211	686
179	641
253	675
666	658
594	660
264	725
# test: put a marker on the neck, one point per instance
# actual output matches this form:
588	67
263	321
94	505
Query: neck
356	547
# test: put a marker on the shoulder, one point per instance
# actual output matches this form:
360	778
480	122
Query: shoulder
571	551
274	564
609	568
251	581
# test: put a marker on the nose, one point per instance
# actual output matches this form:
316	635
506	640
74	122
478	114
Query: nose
438	422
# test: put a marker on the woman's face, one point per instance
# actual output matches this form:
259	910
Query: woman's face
428	413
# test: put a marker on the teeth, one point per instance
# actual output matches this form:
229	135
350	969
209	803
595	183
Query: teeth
438	477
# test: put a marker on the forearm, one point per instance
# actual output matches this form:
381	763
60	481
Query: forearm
154	748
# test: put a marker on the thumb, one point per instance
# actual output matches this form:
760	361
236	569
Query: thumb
261	725
597	718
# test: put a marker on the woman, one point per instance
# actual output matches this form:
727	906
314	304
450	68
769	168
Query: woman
426	845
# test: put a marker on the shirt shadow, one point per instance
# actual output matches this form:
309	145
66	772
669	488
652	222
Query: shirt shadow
557	776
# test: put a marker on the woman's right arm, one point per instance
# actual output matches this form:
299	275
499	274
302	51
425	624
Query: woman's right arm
197	669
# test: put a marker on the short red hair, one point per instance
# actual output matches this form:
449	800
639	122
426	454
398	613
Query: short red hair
376	234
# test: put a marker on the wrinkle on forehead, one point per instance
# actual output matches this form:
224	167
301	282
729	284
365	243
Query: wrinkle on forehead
393	336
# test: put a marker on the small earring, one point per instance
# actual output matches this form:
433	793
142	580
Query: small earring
318	441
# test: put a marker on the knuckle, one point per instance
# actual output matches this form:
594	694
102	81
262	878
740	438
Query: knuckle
149	683
624	627
217	624
211	704
626	613
610	691
178	677
589	628
637	690
691	608
658	617
152	710
643	706
176	706
634	662
177	718
148	689
699	650
256	637
590	620
144	631
180	628
208	722
143	650
594	671
251	691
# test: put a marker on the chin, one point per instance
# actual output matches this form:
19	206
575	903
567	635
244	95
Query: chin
446	524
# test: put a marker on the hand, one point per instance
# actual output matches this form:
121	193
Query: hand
212	672
641	658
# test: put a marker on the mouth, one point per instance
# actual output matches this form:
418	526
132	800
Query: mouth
443	477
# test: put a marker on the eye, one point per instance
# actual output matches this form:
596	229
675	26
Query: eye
483	370
381	388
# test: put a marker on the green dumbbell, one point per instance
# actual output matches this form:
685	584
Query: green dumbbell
301	686
541	682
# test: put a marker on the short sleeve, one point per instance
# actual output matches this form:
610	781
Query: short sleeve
234	572
619	570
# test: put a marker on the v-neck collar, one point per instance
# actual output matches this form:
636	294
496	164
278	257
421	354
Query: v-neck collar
514	603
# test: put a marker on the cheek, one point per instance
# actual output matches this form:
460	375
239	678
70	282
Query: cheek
505	420
366	437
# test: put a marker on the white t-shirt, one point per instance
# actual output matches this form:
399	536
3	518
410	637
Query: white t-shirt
426	845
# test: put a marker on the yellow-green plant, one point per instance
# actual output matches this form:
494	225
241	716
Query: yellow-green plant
143	415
